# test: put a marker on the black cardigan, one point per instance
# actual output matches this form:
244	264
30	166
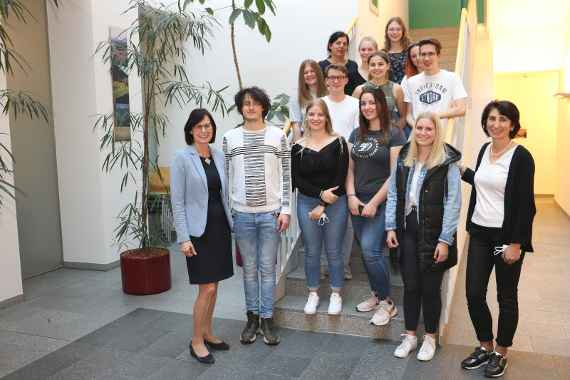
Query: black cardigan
519	198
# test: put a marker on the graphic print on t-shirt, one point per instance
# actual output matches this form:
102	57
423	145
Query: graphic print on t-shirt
366	147
431	92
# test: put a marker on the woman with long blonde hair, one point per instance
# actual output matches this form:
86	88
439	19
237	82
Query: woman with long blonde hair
319	165
422	212
311	85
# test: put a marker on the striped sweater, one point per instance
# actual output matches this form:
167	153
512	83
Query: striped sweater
258	170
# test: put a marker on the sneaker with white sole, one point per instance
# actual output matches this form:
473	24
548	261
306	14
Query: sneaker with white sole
335	304
312	303
427	350
386	311
369	304
409	344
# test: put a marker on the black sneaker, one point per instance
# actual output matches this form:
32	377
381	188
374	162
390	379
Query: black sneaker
270	337
476	359
496	366
249	333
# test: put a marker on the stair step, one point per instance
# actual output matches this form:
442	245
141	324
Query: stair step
357	288
288	312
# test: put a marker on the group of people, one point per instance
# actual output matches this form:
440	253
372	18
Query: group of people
367	160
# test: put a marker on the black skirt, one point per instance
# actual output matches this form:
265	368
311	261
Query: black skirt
214	260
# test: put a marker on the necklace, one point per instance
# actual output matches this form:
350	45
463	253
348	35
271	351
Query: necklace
495	155
207	157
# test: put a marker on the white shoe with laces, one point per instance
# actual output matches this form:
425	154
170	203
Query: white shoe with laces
409	344
386	311
312	303
369	304
335	304
427	350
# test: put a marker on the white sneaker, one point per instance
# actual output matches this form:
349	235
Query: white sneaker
369	304
335	304
386	311
312	303
427	350
409	343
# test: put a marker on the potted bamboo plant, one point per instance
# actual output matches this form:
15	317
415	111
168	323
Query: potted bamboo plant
155	50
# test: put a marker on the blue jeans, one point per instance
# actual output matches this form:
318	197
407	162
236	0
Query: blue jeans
371	235
258	240
330	234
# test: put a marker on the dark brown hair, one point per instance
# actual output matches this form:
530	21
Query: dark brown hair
431	41
507	109
383	114
196	116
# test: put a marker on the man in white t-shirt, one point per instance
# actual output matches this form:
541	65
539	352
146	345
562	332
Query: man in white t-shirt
342	108
434	90
344	116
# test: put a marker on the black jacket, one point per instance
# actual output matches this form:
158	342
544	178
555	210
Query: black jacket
519	198
433	191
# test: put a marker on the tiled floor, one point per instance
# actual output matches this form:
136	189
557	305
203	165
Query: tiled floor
63	306
544	296
151	344
66	304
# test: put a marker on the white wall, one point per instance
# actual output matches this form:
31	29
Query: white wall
81	88
300	30
528	35
370	24
10	270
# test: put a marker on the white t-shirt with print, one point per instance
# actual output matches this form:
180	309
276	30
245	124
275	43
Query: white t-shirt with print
344	115
433	93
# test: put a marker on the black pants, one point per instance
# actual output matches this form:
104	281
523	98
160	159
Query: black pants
422	289
480	263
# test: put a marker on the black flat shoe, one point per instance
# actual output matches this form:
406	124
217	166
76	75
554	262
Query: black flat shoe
208	359
221	346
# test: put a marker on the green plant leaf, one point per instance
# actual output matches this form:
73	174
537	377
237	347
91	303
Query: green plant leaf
234	15
271	5
210	11
249	18
260	6
247	3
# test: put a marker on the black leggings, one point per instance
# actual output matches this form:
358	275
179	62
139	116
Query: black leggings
421	288
480	262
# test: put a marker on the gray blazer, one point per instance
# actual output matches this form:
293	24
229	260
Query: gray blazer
189	192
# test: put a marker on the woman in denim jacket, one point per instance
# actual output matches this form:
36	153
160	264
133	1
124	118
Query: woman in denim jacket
422	212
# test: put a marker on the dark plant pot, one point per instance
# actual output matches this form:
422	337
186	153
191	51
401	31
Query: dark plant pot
145	270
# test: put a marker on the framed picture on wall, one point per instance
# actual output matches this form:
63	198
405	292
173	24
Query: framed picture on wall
374	7
120	78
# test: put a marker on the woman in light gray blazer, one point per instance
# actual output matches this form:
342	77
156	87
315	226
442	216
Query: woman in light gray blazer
203	224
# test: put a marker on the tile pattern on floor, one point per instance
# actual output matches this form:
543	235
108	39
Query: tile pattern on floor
153	344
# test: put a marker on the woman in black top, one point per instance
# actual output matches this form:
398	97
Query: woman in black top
499	221
338	48
319	165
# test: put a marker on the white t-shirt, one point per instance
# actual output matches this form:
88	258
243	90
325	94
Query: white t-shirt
344	115
414	191
433	93
490	182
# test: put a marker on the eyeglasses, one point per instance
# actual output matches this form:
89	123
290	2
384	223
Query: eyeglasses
204	127
336	77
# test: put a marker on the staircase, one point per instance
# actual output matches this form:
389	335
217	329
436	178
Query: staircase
448	37
288	311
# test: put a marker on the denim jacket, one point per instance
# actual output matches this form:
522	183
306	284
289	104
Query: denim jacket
451	207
